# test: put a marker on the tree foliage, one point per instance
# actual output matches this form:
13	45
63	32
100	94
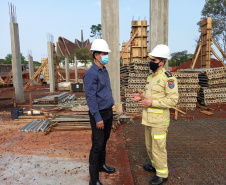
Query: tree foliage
217	10
8	59
179	58
96	31
83	55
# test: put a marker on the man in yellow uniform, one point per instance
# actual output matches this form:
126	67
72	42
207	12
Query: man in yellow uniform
160	95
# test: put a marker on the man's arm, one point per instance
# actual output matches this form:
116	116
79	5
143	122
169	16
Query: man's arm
90	84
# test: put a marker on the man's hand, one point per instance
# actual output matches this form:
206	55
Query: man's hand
147	102
136	97
100	125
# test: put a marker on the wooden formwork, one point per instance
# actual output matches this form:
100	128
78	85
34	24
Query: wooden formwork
204	49
139	43
206	32
55	67
126	55
45	70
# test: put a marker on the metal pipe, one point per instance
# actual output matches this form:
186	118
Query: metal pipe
30	123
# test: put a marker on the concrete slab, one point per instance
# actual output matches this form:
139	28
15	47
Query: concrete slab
36	170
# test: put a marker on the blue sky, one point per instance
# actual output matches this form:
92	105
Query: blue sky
36	18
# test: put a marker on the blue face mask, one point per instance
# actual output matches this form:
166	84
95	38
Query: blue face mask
104	59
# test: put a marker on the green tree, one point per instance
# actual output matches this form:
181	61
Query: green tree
96	31
23	61
179	58
36	63
217	10
83	55
8	59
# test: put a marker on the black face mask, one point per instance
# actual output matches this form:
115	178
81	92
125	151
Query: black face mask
153	66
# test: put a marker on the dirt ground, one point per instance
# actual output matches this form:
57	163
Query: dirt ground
56	158
196	150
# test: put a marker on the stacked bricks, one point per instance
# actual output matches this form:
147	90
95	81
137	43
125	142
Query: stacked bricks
132	77
188	88
213	86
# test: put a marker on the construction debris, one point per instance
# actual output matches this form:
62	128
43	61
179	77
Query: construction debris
35	126
52	99
206	112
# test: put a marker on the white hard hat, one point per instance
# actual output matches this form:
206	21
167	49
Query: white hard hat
100	45
161	51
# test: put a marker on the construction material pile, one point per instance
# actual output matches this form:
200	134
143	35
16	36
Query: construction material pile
188	88
55	99
36	126
213	86
132	77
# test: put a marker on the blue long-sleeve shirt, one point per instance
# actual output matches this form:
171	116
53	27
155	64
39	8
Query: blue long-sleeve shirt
98	90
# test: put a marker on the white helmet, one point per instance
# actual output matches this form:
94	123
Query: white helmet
161	51
100	45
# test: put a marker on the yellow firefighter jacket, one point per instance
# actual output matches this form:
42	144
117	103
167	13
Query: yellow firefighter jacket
162	89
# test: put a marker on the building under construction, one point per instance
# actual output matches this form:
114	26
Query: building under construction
45	135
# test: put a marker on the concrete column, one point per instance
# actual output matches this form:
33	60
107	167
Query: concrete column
31	69
67	69
159	23
110	33
16	63
51	67
76	69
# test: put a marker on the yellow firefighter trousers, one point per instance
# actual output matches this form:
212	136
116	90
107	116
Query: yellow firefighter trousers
155	139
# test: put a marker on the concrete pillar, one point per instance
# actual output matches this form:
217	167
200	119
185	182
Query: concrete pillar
16	63
51	67
31	69
67	69
76	69
159	23
110	33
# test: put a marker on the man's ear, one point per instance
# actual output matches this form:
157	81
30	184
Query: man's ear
163	62
96	55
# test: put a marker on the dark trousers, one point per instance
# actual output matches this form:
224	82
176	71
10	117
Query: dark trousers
100	137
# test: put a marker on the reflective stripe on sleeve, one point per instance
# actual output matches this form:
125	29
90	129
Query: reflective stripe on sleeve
157	111
163	75
160	136
162	171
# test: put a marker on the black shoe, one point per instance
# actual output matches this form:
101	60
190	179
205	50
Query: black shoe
106	169
158	180
149	168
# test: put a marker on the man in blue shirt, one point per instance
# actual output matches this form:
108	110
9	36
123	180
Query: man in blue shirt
100	101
